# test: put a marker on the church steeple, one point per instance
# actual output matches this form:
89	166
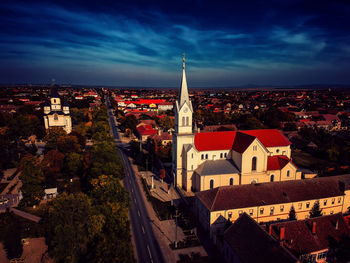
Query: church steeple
183	96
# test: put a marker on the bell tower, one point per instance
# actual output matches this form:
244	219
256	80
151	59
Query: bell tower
183	134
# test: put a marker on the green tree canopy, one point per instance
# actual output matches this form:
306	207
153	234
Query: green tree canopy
73	164
316	211
71	222
32	180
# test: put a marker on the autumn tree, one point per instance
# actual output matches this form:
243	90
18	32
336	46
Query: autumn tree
52	166
52	136
68	143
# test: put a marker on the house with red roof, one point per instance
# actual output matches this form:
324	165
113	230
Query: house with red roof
207	160
144	131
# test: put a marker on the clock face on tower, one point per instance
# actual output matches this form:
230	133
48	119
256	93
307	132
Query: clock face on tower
185	109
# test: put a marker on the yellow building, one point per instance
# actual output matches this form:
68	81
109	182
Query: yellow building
272	201
203	161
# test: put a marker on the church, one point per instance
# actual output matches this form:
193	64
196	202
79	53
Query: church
203	161
55	114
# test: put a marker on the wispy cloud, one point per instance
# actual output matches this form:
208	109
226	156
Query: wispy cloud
153	41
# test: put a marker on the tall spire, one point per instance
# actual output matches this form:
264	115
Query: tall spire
183	96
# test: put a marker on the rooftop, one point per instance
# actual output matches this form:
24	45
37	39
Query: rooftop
253	244
240	196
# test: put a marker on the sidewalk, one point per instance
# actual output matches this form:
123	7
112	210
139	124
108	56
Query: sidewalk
165	231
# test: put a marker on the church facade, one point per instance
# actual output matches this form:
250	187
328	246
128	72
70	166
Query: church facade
203	161
56	113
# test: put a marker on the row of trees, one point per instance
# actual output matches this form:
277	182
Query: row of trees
92	226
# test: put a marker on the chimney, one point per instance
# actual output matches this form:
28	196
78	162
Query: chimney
282	233
314	228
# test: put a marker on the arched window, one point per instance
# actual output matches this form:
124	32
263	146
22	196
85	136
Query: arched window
183	121
192	155
206	156
272	178
202	156
288	173
220	155
211	183
187	121
231	181
253	181
254	164
55	117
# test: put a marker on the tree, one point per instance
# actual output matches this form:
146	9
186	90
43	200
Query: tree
68	143
166	123
292	215
70	223
32	180
104	160
52	165
112	243
10	235
52	136
316	211
73	164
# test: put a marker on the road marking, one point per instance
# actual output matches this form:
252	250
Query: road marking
138	211
149	252
143	230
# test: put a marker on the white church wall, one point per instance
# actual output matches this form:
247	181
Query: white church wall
280	150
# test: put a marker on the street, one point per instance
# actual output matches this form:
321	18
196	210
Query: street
146	244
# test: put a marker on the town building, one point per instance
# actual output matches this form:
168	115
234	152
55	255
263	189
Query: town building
311	236
207	160
56	113
271	201
246	242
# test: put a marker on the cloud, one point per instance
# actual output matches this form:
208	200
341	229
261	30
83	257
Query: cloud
122	38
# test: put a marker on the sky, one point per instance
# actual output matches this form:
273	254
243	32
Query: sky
140	43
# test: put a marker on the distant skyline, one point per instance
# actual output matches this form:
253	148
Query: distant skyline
140	43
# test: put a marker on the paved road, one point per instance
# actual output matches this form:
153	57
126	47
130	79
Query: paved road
146	244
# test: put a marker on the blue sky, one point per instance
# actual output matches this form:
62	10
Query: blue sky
140	43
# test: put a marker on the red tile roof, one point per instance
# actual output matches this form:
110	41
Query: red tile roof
269	137
242	142
299	236
211	141
146	130
277	162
